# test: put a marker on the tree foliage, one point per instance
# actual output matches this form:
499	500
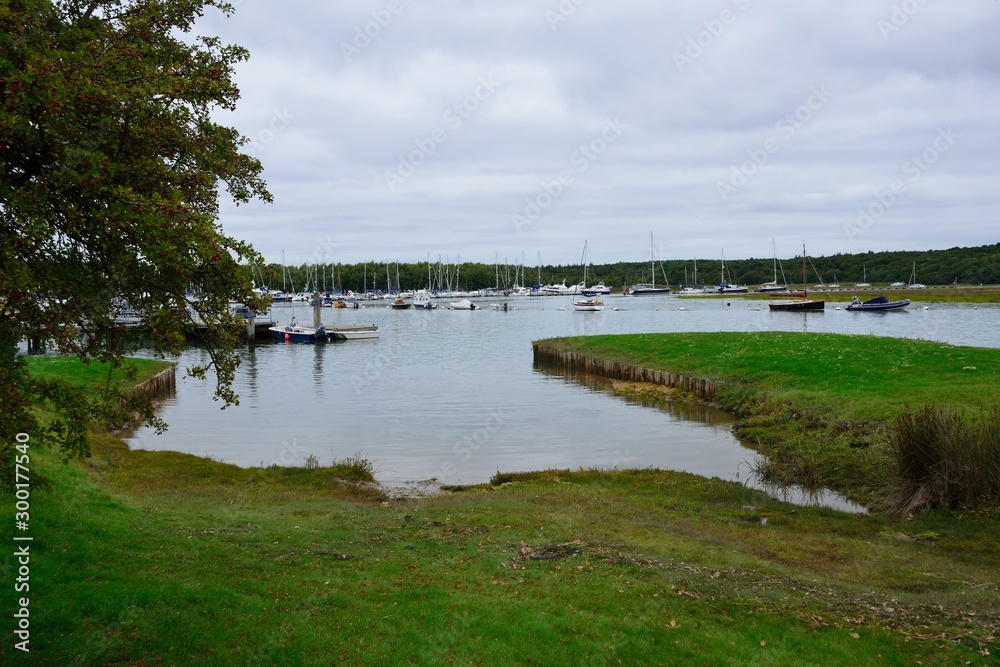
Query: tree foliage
980	265
110	173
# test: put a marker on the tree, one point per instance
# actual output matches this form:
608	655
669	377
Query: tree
110	169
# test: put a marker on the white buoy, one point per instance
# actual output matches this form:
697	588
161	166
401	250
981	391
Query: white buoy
683	308
927	307
615	309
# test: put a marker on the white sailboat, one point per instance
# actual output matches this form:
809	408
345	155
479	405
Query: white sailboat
864	277
726	287
913	279
774	286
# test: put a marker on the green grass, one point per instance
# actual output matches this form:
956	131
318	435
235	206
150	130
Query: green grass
821	406
161	558
74	371
164	559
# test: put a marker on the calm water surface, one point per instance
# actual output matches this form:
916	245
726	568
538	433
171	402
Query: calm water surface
452	395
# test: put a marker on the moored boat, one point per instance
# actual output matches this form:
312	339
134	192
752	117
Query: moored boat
297	333
806	305
464	304
878	303
423	302
353	333
589	304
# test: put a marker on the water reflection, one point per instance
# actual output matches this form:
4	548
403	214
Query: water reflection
712	464
701	413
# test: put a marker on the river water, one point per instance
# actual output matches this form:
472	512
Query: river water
453	395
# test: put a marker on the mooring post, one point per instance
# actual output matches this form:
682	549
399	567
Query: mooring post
317	310
250	320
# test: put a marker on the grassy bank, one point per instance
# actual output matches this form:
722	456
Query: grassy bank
159	558
822	406
95	374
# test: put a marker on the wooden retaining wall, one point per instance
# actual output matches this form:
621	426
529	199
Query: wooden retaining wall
620	371
162	384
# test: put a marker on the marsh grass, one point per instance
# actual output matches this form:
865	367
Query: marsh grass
945	457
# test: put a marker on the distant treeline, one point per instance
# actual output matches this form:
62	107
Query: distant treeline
964	266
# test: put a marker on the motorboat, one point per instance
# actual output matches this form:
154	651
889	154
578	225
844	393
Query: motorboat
878	303
463	304
423	302
353	333
294	332
600	289
400	304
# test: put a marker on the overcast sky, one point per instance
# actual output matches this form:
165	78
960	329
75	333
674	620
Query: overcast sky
392	129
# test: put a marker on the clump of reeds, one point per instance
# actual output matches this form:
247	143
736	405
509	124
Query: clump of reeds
355	467
946	459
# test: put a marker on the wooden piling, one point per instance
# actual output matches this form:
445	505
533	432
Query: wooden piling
547	356
162	384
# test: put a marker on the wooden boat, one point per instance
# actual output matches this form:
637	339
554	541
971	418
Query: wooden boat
353	333
878	303
806	305
592	305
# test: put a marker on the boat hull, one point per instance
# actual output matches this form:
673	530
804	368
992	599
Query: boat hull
809	305
878	305
298	334
353	333
588	305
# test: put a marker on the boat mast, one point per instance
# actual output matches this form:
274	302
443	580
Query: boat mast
652	264
804	293
774	251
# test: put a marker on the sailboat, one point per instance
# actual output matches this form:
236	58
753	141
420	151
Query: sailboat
806	304
587	300
650	289
773	286
913	279
726	287
864	278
